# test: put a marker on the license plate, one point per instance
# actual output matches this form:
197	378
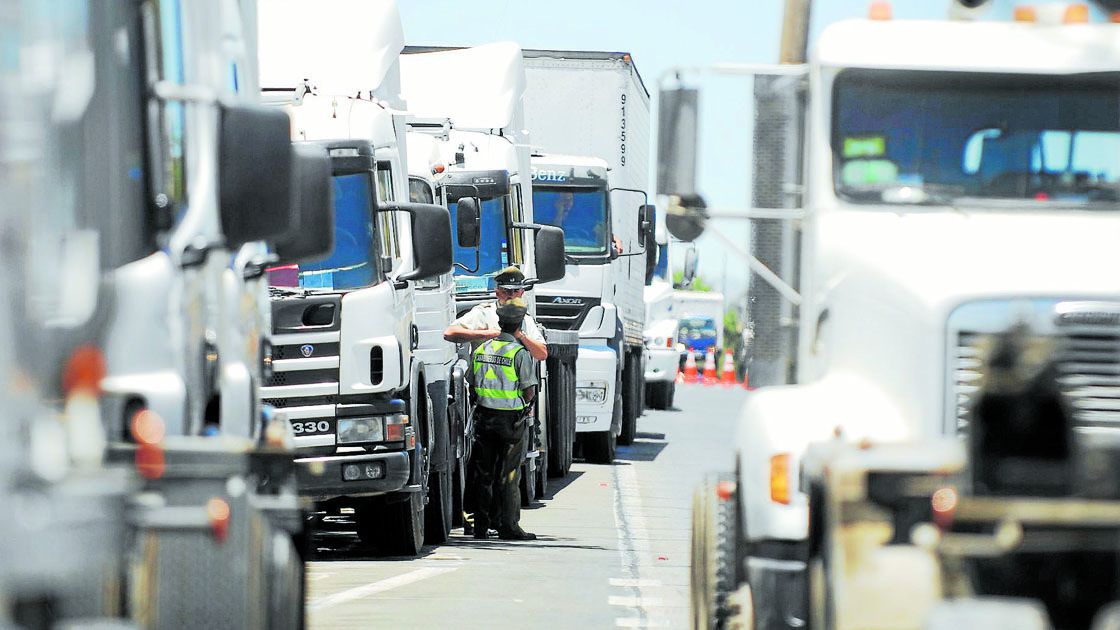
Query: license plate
591	394
585	419
312	427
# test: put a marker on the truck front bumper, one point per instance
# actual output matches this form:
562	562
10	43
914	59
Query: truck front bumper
596	371
358	475
662	364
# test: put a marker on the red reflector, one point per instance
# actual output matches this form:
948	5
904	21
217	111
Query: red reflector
394	432
1041	196
879	11
84	370
150	462
218	512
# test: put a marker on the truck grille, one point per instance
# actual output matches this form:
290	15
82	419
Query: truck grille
1088	356
304	374
563	313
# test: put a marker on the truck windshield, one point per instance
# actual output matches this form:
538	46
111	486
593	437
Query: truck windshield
350	265
493	248
580	212
933	137
697	332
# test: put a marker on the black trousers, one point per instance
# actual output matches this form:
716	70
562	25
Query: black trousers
499	448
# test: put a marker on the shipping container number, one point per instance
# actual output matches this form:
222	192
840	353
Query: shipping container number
622	133
321	426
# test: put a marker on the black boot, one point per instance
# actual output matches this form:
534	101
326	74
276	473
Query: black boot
481	529
516	533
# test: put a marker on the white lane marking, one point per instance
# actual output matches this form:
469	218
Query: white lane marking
315	577
638	622
633	602
631	582
380	586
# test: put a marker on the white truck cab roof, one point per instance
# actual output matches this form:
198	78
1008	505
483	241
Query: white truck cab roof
357	56
983	46
476	88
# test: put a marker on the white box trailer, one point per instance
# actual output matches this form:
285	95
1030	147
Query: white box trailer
588	113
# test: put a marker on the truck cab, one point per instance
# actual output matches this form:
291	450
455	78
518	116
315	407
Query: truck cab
600	295
949	193
346	373
477	152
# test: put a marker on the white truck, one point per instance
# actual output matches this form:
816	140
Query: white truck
700	318
348	372
589	115
988	148
476	150
165	167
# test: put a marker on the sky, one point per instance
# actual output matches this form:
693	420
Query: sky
660	35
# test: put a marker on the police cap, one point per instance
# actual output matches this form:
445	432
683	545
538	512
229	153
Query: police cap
510	278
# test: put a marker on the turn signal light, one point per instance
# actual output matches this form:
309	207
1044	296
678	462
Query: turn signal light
147	427
1025	14
944	503
879	11
1114	17
217	510
779	478
1076	14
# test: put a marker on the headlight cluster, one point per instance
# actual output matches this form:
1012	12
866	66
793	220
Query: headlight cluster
354	430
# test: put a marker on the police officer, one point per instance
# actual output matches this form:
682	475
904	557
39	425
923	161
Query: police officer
505	381
481	322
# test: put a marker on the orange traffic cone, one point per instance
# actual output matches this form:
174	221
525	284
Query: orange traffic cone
727	375
747	380
690	375
710	367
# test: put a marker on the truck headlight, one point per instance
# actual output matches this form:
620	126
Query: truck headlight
353	430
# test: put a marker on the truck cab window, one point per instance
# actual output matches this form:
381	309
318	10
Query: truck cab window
352	263
390	234
517	213
580	211
419	191
982	136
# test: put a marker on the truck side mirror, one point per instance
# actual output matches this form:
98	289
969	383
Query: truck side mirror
647	219
431	239
468	221
254	173
648	214
312	235
549	245
690	263
686	216
677	127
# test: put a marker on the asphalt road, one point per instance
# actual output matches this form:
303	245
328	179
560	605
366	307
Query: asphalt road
612	552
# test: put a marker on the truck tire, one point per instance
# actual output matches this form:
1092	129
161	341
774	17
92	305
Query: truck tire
599	446
541	478
438	512
404	526
458	491
630	400
562	425
660	395
714	539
